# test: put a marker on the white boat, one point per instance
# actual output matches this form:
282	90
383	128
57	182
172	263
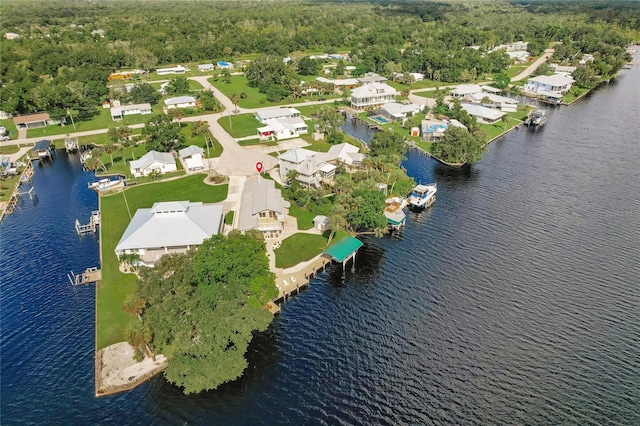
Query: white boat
104	184
423	196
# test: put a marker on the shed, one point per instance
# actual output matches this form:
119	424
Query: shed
321	223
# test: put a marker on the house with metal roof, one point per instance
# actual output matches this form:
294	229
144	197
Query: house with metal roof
180	102
173	70
483	114
463	90
491	100
277	113
169	227
192	157
546	85
372	77
283	128
397	111
163	162
262	207
372	96
206	67
118	112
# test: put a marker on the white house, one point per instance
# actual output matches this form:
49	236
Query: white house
465	89
169	227
173	70
205	67
180	102
192	157
398	111
118	112
491	100
283	128
483	114
372	77
433	129
315	168
163	162
265	114
372	95
545	85
262	207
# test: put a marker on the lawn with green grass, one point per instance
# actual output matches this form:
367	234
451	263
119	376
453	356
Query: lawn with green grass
302	247
12	130
238	84
241	125
9	149
111	320
304	216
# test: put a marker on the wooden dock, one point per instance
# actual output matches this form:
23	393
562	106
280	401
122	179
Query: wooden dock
89	228
90	275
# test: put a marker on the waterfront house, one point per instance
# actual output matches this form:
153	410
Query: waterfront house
278	113
433	128
192	157
317	168
262	207
163	162
180	102
179	69
372	96
118	112
491	100
545	85
169	227
483	114
283	128
397	111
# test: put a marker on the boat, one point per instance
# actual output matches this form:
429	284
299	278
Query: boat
423	196
104	184
537	118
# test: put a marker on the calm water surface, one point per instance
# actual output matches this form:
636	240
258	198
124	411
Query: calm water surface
515	299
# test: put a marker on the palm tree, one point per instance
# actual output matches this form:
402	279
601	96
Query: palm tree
134	305
109	148
234	100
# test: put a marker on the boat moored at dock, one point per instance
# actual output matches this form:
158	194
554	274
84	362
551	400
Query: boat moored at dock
423	196
105	183
537	118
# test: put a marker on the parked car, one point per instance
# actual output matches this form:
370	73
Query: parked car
5	138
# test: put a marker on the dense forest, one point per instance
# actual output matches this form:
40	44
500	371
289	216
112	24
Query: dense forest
66	49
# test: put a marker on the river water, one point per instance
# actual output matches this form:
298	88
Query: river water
515	299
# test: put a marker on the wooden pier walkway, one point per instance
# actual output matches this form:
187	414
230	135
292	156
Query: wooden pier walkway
90	275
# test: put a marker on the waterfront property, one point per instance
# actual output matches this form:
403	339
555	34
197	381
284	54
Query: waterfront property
152	161
262	207
317	168
433	128
169	227
549	85
371	96
344	250
396	111
394	212
180	102
42	149
192	157
118	112
491	100
483	114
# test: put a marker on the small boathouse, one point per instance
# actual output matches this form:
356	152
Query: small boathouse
41	150
344	250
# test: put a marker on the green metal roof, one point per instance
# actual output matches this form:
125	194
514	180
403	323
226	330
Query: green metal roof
344	248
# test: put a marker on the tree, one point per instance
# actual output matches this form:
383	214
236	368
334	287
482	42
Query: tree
204	307
134	305
501	81
144	93
200	128
139	335
459	146
178	86
162	133
308	66
109	148
208	101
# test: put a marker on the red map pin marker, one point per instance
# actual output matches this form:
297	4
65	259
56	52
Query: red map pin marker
259	166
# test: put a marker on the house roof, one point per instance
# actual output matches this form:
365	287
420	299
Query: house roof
373	89
297	155
483	112
466	89
150	158
345	152
116	111
42	145
395	108
478	97
179	100
258	195
553	80
189	151
344	248
345	82
31	118
170	224
276	113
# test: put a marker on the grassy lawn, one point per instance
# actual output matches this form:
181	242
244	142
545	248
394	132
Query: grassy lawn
304	216
427	146
111	319
574	94
228	218
9	149
302	247
242	125
515	70
238	84
7	185
11	128
424	84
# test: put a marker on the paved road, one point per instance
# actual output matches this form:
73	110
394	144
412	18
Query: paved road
531	68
